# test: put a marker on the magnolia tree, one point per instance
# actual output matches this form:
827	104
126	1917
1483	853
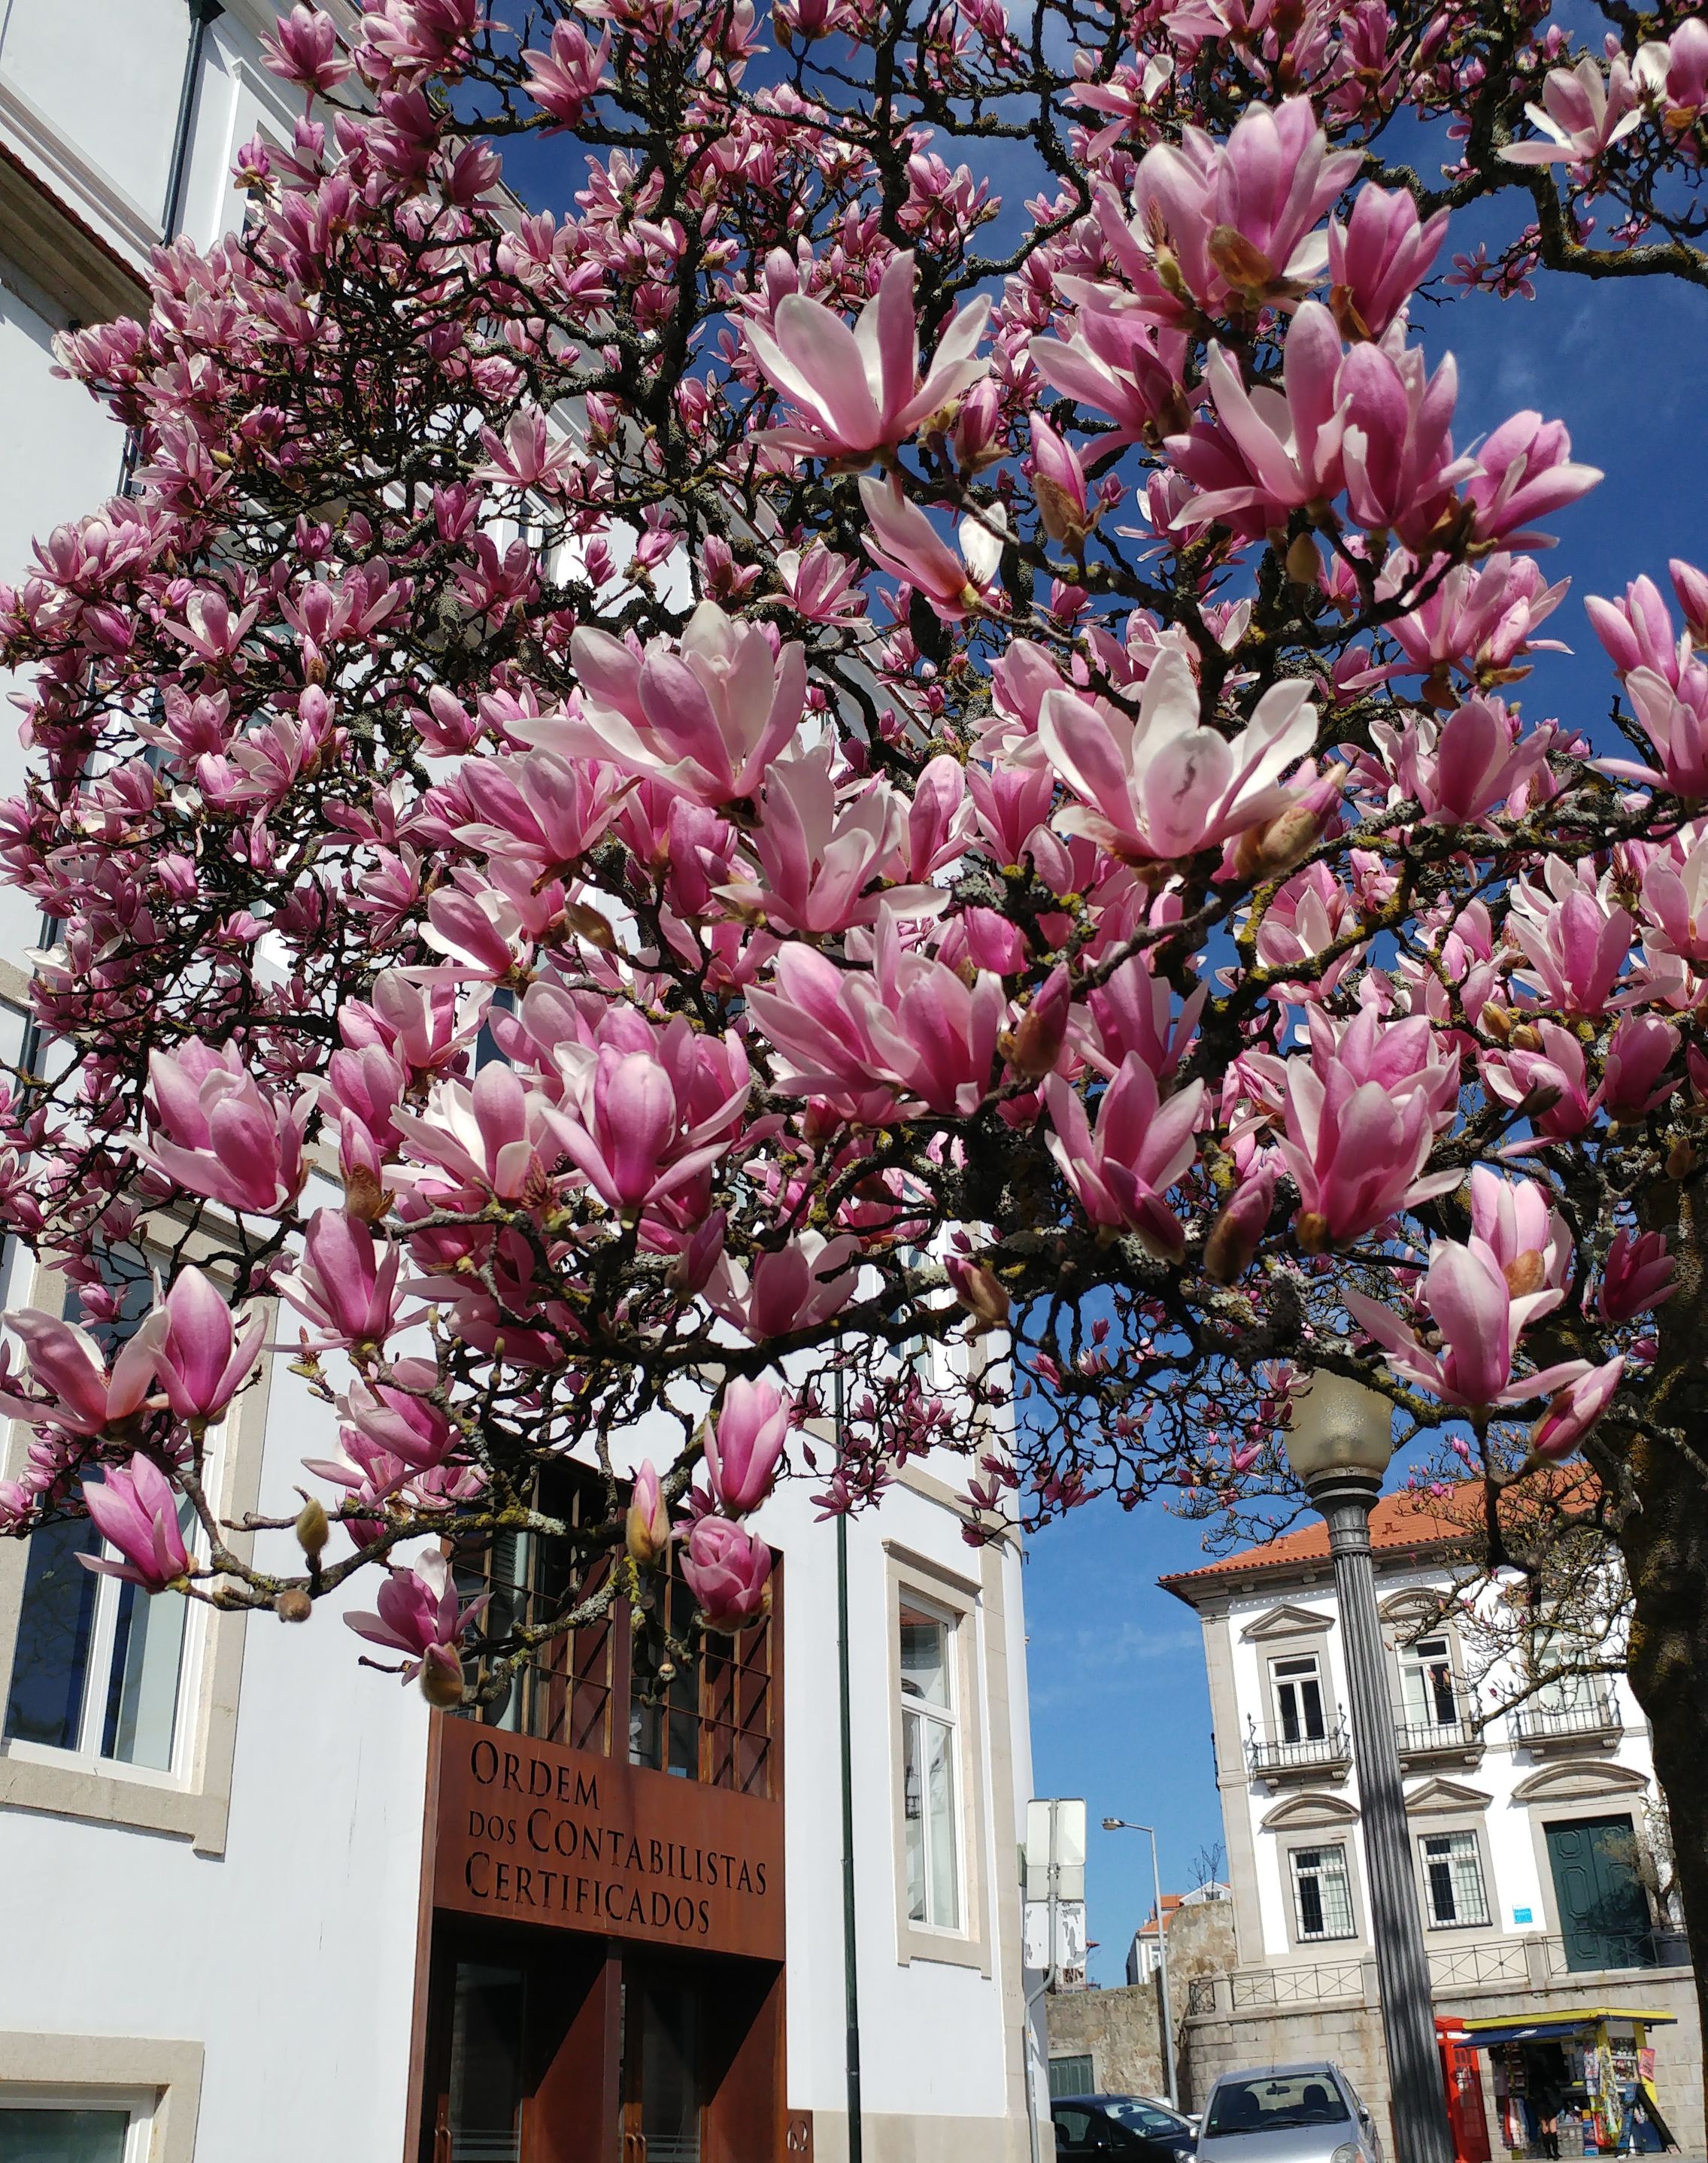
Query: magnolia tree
640	808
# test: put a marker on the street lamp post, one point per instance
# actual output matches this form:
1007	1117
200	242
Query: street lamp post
1339	1449
1126	1825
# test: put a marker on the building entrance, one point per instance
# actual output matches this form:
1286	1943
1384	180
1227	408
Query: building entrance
573	2050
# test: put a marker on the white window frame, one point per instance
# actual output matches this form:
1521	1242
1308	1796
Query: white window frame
1278	1682
943	1722
1433	1919
193	1799
916	1581
86	1752
1415	1667
140	2104
1296	1876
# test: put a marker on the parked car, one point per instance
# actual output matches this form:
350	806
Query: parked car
1308	2114
1132	2127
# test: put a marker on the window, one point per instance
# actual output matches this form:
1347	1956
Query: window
1322	1893
1298	1699
1426	1683
930	1800
1072	2077
98	1664
74	2125
1453	1880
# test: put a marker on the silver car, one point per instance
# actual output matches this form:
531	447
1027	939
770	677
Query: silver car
1308	2114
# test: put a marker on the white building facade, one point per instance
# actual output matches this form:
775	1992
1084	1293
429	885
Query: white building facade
262	1904
1534	1833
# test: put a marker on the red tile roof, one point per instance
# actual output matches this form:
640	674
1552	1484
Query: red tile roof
1402	1523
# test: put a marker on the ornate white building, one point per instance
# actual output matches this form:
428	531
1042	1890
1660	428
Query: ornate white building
260	1903
1534	1832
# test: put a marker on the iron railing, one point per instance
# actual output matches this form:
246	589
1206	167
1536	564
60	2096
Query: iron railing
1459	1967
1269	1753
1596	1712
1428	1738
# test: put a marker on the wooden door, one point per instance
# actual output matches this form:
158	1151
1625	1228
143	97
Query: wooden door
1604	1914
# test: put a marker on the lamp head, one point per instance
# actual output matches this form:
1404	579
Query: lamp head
1114	1824
1339	1426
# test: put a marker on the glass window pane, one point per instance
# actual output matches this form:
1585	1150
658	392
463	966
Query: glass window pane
940	1808
670	2099
925	1657
63	2136
914	1814
487	2064
142	1697
54	1628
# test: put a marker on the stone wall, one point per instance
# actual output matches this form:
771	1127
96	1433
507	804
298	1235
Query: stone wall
1349	2032
1121	2030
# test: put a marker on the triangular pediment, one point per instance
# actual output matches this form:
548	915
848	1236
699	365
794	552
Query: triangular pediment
1300	1813
1439	1798
1573	1783
1288	1621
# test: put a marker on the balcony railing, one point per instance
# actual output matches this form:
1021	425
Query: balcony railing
1533	1964
1456	1736
1592	1713
1272	1756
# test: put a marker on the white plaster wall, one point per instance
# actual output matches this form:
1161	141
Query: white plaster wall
291	1956
92	87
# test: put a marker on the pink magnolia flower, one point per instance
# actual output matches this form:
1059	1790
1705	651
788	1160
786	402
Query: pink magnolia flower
1675	902
1637	1276
217	1134
1582	114
1121	1171
1675	720
67	1363
792	1287
1462	767
1637	631
399	1416
729	1573
304	50
1234	222
908	1026
1360	1119
136	1511
1575	1409
1551	1087
903	542
1121	364
1633	1074
1526	471
819	861
636	1123
859	391
347	1280
1573	935
1526	1236
1379	258
821	586
1059	485
562	80
203	1360
707	717
744	1443
1480	1320
1480	617
418	1611
1161	785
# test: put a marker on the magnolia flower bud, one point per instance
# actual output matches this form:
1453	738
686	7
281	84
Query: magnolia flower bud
647	1526
1311	1229
441	1676
1526	1272
1240	1224
1304	564
1034	1046
1681	1159
1495	1021
312	1528
293	1604
979	1290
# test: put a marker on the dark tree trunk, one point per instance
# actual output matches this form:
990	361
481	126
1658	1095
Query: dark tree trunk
1664	1541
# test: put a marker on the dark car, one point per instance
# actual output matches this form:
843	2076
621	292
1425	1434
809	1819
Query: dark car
1127	2126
